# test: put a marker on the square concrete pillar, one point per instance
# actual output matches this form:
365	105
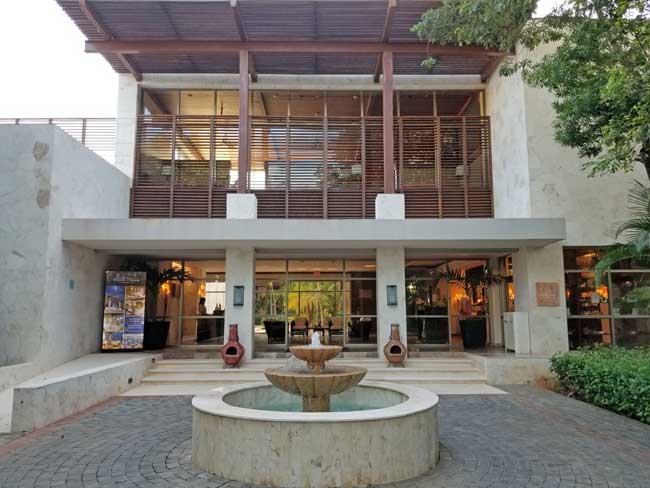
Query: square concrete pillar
389	206
390	272
240	271
127	113
538	275
241	206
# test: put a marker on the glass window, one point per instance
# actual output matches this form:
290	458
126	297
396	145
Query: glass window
161	102
416	103
631	293
198	102
632	332
343	104
227	102
307	104
625	322
583	298
589	332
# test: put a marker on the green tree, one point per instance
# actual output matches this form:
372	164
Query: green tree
599	71
635	232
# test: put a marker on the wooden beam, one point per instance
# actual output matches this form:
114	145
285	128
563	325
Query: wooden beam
242	160
92	17
491	67
157	107
466	104
199	47
242	36
388	22
389	142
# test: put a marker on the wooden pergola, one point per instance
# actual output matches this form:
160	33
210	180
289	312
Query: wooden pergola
252	37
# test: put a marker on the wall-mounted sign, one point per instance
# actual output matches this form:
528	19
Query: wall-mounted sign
124	301
548	294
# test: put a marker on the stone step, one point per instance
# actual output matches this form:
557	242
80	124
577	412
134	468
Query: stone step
272	363
218	369
175	389
406	376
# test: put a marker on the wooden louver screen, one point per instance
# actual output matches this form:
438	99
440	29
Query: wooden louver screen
312	167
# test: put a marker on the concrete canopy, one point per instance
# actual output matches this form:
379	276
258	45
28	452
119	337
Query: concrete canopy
143	235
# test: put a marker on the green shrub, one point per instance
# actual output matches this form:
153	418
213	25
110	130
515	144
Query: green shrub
608	377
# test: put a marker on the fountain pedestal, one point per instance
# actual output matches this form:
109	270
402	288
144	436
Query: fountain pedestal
316	382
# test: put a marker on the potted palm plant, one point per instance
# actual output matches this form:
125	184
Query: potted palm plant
156	328
473	328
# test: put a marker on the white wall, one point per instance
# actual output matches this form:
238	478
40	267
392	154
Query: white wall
535	176
127	111
592	206
51	298
504	103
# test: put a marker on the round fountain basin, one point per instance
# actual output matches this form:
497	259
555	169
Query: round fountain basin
318	354
376	433
331	381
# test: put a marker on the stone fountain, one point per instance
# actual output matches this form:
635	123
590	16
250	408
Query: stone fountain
375	432
316	382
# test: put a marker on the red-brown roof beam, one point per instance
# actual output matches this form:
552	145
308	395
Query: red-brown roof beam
93	18
242	35
388	22
199	47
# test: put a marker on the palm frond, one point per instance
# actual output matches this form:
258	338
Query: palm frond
639	199
474	280
617	253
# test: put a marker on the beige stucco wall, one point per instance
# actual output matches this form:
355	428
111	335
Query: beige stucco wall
51	297
530	167
504	104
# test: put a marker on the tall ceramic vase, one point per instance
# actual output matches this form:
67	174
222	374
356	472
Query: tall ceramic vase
232	351
395	350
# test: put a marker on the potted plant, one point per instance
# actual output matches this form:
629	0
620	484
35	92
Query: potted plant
156	330
473	328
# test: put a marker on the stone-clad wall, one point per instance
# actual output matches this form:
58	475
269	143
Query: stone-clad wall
50	292
535	176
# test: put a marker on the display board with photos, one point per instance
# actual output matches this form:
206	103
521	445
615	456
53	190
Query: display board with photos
124	305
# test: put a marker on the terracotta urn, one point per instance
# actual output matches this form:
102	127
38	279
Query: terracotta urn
395	350
232	351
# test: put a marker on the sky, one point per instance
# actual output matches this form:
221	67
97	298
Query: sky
45	70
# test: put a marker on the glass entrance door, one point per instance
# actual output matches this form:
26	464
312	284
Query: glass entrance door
294	299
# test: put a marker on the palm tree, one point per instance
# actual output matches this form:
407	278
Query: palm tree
636	231
472	281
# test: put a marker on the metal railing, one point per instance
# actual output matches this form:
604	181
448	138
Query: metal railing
97	134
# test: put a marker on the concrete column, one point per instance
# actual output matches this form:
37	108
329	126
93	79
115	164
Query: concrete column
548	324
390	271
240	271
127	111
495	307
390	206
241	206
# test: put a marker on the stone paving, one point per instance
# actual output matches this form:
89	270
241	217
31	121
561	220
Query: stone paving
530	438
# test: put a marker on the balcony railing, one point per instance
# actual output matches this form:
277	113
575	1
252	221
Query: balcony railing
97	134
312	167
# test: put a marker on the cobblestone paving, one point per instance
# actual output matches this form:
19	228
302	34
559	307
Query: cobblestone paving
529	438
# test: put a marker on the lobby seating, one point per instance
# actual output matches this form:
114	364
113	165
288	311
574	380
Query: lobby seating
299	327
274	330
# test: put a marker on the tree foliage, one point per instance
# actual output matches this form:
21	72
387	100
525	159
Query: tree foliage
599	71
635	231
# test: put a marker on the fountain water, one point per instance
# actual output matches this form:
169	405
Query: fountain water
317	382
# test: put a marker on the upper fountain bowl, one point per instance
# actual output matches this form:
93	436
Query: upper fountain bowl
315	355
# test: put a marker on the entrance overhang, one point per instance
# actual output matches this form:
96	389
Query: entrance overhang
146	235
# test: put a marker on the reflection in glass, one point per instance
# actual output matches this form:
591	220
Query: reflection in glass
583	297
631	293
632	332
589	332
